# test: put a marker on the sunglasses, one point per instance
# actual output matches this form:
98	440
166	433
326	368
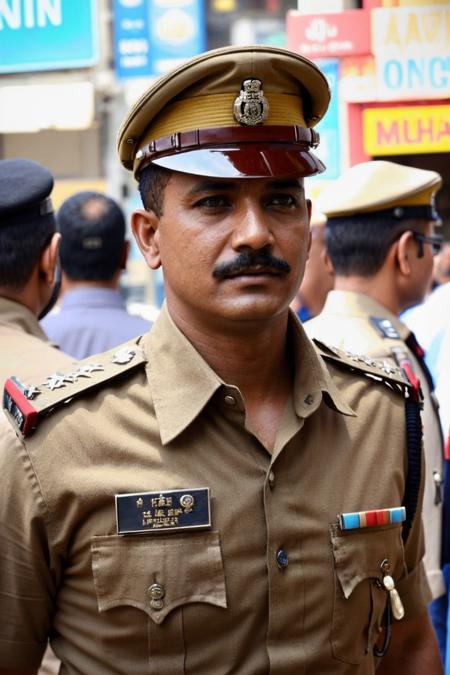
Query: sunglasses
435	241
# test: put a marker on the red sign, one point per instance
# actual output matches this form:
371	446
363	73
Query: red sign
331	34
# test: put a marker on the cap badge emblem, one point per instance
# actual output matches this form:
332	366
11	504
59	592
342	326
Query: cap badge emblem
251	106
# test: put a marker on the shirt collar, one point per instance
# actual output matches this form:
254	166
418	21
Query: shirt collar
312	378
359	304
182	383
18	317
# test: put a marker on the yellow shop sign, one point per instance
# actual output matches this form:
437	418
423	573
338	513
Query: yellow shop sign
406	130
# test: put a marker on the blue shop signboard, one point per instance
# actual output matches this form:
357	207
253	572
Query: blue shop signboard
177	32
47	34
131	38
154	36
329	149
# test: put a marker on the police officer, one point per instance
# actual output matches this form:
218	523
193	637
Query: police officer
221	496
28	255
380	240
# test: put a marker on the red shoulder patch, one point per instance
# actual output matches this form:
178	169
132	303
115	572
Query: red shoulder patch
18	407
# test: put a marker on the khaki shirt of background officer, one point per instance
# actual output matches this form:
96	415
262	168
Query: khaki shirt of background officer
386	203
29	247
233	253
24	347
25	292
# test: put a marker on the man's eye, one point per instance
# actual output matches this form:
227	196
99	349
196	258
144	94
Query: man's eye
283	200
213	202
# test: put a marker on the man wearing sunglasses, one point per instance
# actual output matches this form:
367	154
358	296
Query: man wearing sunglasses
380	241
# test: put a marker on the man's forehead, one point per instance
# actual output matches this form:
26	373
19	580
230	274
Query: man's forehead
197	184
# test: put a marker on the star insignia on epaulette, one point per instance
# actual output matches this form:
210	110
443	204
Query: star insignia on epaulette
124	356
55	381
30	391
92	368
359	358
389	368
70	378
83	371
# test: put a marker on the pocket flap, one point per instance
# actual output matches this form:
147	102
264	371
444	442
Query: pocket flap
359	554
186	568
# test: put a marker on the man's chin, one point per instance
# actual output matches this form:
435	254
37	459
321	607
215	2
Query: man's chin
252	310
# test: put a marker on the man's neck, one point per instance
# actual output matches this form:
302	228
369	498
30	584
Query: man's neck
379	288
254	357
71	285
24	297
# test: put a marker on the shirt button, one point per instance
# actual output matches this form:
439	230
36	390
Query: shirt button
156	593
309	399
230	400
282	559
271	479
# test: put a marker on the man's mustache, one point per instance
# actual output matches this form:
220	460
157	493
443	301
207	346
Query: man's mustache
246	261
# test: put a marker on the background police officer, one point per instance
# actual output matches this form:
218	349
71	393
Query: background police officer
28	257
380	240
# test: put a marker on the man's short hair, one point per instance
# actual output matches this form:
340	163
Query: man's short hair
92	226
152	182
20	248
359	245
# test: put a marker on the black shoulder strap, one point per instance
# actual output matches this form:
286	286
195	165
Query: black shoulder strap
414	450
419	353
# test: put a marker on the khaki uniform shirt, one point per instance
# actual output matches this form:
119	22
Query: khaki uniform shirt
25	352
24	348
229	602
345	322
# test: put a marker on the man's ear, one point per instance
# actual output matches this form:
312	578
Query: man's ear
49	259
327	261
403	251
144	225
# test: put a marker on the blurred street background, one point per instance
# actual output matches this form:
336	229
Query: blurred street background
70	69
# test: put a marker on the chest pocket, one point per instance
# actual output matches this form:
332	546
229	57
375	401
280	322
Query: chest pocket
359	602
158	575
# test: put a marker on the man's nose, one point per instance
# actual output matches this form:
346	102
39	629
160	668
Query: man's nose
252	229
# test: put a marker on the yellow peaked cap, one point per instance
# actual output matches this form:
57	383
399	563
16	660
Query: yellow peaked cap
376	186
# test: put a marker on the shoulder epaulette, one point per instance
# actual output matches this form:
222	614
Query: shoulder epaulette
380	369
385	327
27	404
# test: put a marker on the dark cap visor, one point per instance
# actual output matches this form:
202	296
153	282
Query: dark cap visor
247	161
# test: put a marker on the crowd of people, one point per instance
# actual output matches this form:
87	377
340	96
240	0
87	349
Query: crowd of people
257	482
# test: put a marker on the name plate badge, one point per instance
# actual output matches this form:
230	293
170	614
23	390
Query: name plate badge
166	511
